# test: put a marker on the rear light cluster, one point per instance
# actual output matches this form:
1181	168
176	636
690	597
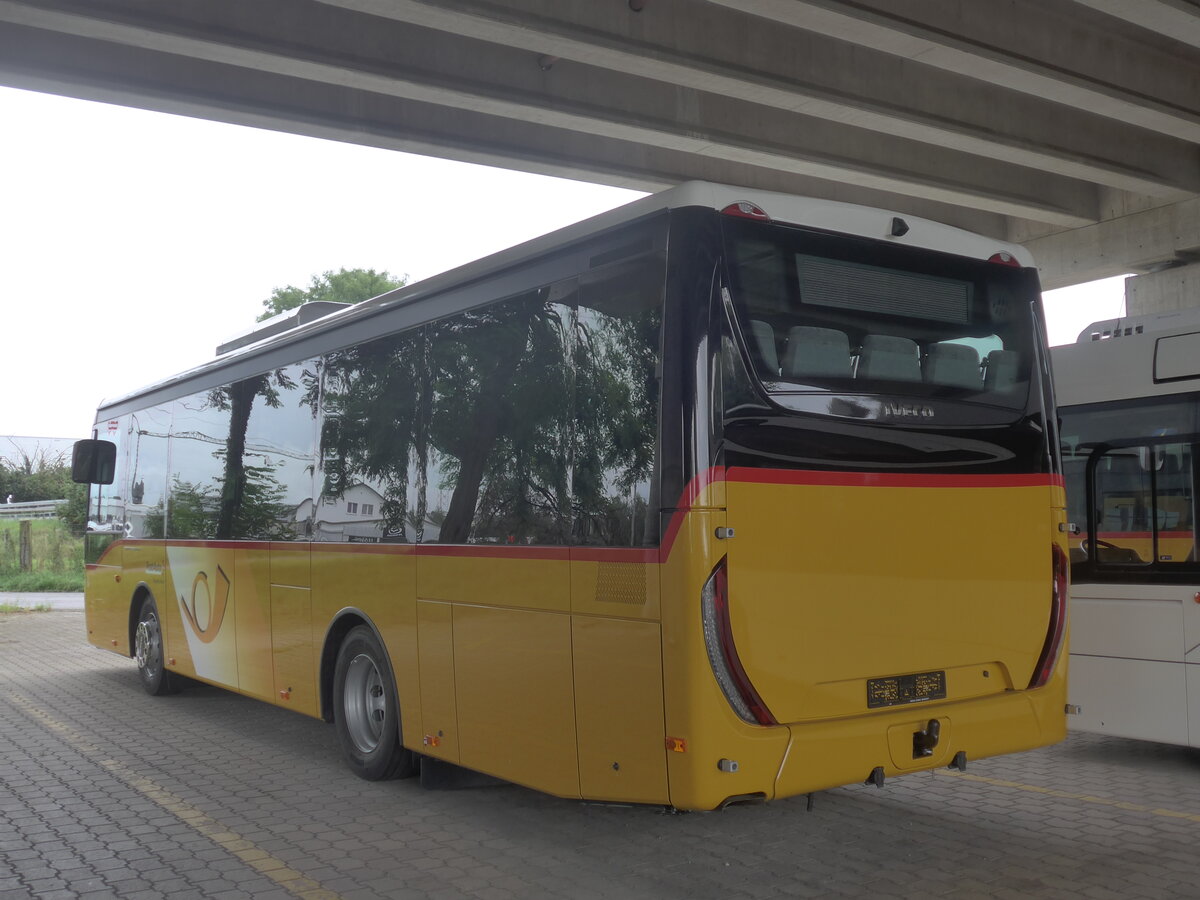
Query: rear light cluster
1058	620
1004	258
746	210
722	655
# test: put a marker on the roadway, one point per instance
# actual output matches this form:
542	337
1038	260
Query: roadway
106	792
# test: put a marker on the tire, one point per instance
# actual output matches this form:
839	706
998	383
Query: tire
366	714
148	651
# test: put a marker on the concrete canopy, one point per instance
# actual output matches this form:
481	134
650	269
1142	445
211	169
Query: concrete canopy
1072	126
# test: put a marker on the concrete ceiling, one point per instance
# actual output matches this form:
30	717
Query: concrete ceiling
1070	125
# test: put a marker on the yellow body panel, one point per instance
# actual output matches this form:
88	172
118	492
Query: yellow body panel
627	590
516	706
586	673
439	712
696	711
619	710
291	649
831	585
496	581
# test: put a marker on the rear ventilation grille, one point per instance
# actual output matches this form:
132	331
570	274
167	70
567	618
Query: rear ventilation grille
621	583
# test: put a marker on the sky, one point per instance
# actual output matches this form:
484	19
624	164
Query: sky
132	242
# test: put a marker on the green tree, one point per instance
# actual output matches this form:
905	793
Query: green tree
40	475
342	286
74	512
193	511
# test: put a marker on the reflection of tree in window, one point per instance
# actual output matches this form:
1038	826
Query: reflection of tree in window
370	395
250	496
192	512
504	423
501	396
616	406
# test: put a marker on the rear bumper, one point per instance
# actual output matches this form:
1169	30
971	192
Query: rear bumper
831	753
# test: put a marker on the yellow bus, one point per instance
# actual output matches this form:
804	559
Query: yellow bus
720	496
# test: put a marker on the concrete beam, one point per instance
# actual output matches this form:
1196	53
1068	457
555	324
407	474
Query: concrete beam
789	72
485	79
1140	242
1178	20
1038	47
338	113
1166	291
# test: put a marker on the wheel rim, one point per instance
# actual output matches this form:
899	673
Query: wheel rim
148	644
364	703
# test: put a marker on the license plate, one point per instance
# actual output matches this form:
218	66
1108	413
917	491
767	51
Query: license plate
901	689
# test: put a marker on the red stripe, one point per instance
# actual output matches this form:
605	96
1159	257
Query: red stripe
494	551
889	479
1144	535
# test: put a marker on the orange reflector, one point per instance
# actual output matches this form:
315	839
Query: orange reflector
285	695
431	740
677	745
114	643
171	661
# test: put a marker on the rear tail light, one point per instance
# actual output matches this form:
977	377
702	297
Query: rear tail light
1058	621
1005	258
746	210
722	655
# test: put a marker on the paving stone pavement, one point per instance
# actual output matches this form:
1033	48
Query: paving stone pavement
106	792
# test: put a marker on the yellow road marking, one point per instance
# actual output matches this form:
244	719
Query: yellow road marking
1067	795
277	870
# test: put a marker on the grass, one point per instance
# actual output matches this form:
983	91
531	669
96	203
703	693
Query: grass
57	558
14	608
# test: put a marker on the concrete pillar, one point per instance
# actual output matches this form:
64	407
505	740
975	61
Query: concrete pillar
1165	291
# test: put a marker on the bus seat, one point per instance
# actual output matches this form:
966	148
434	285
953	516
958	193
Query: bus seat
820	352
953	365
1000	370
764	337
888	357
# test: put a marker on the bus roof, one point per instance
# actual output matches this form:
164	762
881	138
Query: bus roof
261	342
1127	358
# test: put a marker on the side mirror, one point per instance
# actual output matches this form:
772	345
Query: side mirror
93	462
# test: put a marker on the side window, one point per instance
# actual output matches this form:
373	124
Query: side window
1140	457
616	326
112	500
148	435
532	420
272	485
241	459
372	423
200	432
496	463
1144	507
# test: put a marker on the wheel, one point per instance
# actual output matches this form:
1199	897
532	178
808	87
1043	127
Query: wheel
148	650
365	711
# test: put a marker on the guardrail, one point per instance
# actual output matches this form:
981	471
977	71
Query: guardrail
34	509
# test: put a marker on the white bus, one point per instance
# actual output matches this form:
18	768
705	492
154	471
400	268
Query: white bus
1129	400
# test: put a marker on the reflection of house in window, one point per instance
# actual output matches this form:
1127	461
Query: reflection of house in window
352	516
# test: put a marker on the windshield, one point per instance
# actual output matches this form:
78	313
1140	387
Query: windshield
825	313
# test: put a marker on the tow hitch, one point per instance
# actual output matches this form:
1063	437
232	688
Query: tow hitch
924	741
